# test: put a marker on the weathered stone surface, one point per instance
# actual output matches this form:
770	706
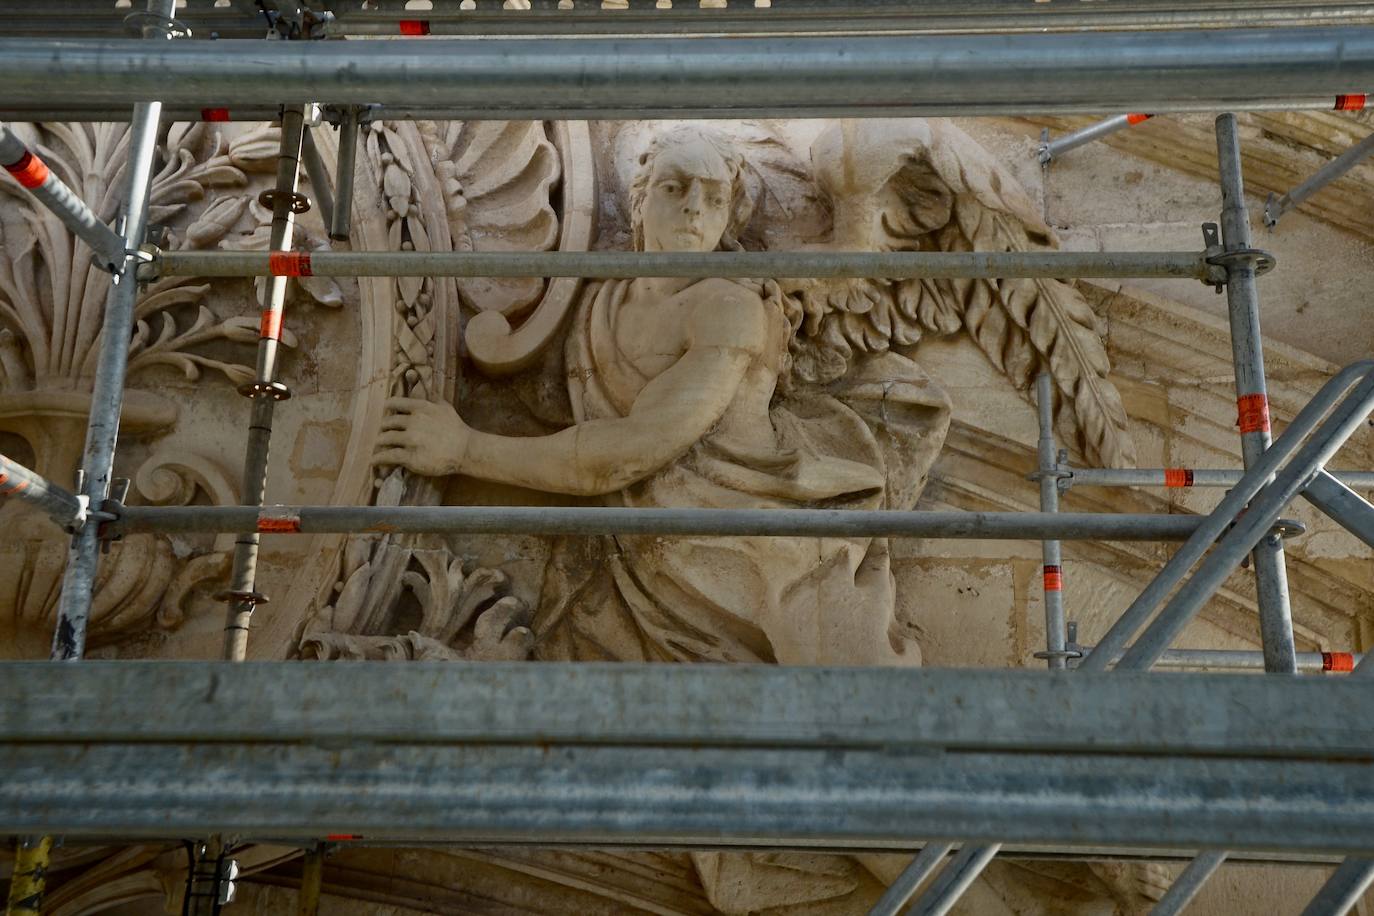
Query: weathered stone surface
770	392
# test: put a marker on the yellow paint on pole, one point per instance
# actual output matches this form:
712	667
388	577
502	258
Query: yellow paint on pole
30	875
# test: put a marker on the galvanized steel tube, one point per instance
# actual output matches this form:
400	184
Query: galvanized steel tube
1249	529
62	506
953	880
318	175
1343	505
591	520
1348	883
1140	610
1059	146
242	594
49	190
1276	207
1252	396
344	175
1052	573
1185	477
1188	883
911	878
714	78
107	395
1245	660
1188	265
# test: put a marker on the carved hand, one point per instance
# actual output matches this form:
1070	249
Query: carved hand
426	437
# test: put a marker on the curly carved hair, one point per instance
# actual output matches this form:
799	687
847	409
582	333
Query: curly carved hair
741	196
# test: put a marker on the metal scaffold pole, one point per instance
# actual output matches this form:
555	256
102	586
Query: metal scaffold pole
107	396
797	77
602	265
1343	890
1252	396
1047	476
1348	409
242	595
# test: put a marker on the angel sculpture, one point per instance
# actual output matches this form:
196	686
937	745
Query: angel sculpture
772	393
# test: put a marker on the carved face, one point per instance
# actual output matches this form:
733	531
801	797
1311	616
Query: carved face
687	203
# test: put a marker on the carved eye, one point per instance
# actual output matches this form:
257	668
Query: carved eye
671	188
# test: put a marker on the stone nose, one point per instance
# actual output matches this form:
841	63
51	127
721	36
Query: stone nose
692	200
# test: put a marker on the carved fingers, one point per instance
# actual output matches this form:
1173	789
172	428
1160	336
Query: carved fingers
426	437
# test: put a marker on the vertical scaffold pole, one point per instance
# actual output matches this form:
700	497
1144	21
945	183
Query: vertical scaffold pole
29	878
312	880
1252	397
242	595
1252	416
1048	478
107	395
339	227
319	177
1347	883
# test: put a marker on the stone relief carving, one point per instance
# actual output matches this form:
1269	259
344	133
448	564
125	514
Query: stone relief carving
768	392
762	393
51	303
798	395
501	186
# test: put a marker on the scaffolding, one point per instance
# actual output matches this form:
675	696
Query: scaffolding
952	764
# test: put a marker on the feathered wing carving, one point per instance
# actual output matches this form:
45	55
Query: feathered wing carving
913	185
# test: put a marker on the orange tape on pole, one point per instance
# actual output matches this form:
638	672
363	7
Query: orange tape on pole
270	327
1252	413
1054	579
278	524
414	26
1338	661
289	264
7	486
29	171
1178	477
214	114
1354	101
1134	119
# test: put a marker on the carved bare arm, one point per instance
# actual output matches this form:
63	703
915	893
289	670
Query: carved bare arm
672	412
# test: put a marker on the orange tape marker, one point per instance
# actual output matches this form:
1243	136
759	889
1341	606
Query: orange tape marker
1054	579
29	171
1252	413
214	114
270	327
278	524
414	26
1178	477
289	264
8	486
1352	102
1338	661
1134	119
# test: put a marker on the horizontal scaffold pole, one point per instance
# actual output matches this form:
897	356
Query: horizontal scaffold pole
616	264
593	521
373	113
713	77
685	755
